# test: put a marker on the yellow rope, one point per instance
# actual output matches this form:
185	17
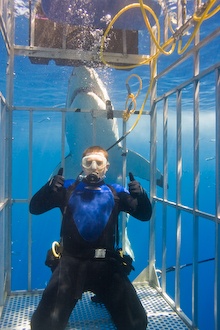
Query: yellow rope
200	21
134	5
161	49
131	97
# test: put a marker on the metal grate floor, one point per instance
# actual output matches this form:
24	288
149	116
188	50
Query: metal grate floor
88	315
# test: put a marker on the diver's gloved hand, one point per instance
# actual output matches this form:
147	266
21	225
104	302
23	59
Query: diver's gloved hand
134	187
57	182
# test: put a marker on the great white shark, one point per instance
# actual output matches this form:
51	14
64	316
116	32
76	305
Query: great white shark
87	125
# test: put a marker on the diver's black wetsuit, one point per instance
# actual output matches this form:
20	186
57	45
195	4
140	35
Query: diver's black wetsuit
89	223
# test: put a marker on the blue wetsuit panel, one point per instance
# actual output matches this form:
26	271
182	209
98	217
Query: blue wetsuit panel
68	183
91	210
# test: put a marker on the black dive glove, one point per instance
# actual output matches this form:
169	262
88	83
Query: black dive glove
134	187
57	182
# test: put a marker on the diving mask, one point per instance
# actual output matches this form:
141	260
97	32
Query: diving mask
95	161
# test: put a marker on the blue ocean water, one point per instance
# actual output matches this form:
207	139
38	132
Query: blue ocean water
42	86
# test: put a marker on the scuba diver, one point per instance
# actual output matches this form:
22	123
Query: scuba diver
89	260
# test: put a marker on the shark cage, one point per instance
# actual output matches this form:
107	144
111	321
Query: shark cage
172	51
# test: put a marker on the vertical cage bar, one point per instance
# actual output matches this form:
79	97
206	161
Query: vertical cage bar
63	138
31	24
63	127
152	192
196	180
3	23
165	177
217	242
2	261
195	207
30	171
197	4
2	200
153	149
179	13
8	211
9	102
178	198
124	166
165	23
3	130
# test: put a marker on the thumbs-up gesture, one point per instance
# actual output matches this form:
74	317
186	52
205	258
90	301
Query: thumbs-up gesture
57	181
134	186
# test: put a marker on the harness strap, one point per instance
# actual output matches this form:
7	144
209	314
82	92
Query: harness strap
91	254
69	192
104	254
116	198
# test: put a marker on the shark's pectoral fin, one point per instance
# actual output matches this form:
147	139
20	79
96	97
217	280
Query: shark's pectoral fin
140	167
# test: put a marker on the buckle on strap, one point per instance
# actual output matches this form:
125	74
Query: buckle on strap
56	249
100	253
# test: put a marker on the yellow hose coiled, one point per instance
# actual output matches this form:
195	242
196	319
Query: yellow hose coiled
160	49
